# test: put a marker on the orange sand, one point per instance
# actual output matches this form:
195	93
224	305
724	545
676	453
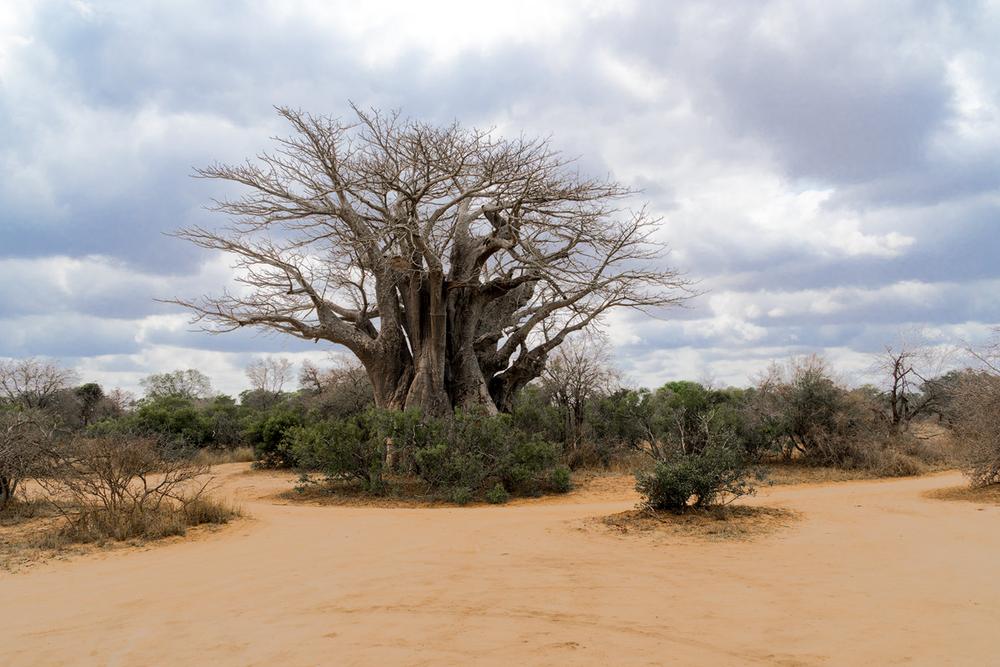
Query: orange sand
874	573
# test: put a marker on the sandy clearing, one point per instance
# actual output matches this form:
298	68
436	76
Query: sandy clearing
873	573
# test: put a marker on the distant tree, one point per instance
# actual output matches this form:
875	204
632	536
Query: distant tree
24	436
579	371
269	374
908	370
90	396
450	262
311	377
339	390
33	383
117	401
188	383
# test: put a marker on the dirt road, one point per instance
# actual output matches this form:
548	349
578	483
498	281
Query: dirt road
873	573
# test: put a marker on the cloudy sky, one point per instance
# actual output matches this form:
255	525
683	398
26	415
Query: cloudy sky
828	172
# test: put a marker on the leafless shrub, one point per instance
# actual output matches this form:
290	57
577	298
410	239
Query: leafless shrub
977	425
24	439
121	488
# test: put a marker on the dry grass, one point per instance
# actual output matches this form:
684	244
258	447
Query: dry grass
726	522
781	474
214	457
979	494
97	525
32	531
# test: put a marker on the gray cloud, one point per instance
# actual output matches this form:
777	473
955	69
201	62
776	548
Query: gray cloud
833	151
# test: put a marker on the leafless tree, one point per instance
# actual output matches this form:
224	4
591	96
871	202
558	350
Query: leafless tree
311	377
341	389
578	370
909	371
118	401
24	439
269	374
33	383
450	262
190	383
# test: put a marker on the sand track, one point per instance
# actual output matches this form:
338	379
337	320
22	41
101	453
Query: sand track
873	573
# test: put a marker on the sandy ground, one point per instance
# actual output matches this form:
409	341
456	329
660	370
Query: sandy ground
873	573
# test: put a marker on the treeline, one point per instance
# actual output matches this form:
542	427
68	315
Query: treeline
577	415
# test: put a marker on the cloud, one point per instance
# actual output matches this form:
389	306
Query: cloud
829	174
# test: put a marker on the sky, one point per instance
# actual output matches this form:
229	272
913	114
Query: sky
828	173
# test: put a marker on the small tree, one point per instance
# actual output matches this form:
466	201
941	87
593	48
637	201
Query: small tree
578	372
910	391
717	472
24	440
90	396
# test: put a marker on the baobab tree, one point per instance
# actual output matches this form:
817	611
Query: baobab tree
450	262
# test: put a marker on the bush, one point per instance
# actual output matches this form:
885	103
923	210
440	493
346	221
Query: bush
268	436
121	488
497	495
473	451
977	425
352	449
460	457
696	479
560	480
461	495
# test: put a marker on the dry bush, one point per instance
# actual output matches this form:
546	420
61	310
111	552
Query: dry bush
977	425
120	488
24	440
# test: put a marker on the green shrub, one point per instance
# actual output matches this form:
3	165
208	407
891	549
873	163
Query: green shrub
559	479
696	479
460	457
461	495
268	436
352	449
473	451
497	495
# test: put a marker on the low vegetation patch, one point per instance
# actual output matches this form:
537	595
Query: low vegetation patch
464	458
214	457
975	494
721	522
102	490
